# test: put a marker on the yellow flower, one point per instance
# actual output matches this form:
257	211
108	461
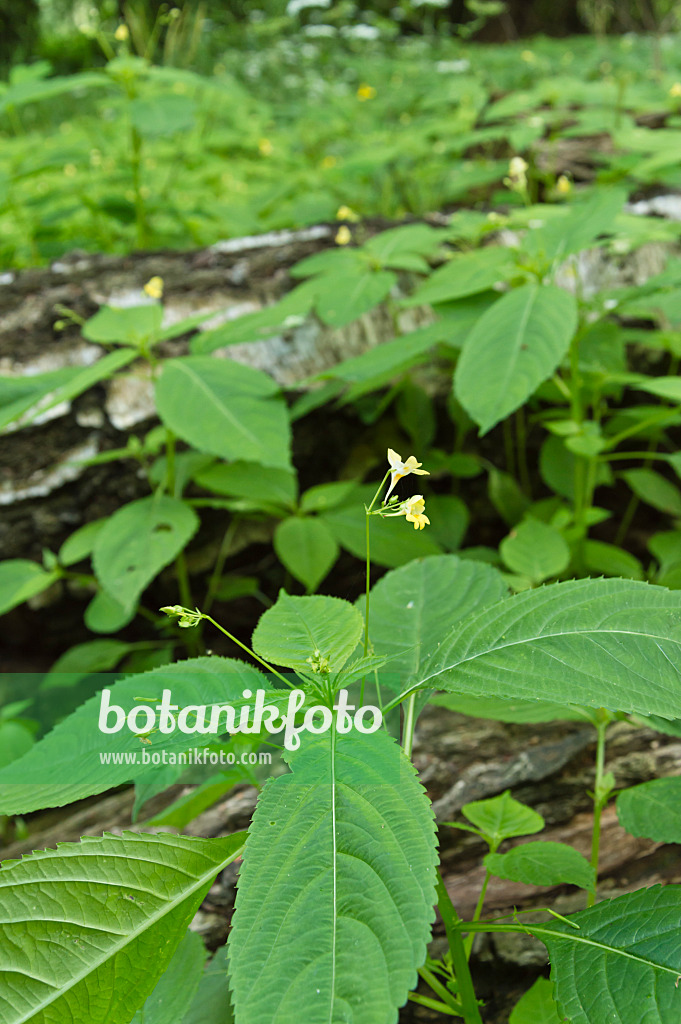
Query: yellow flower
675	91
122	34
346	213
563	185
365	92
154	288
328	162
343	235
414	511
265	147
399	469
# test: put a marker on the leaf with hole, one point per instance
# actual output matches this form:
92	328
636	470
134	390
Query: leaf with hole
138	541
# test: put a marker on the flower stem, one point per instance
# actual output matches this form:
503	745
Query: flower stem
368	588
409	723
600	799
249	651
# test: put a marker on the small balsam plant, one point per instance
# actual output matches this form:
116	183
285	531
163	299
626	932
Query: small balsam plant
338	875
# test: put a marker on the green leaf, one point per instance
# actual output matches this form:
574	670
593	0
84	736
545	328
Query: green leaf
336	890
557	468
336	261
501	817
506	496
391	246
465	274
15	741
20	394
611	560
513	347
198	799
449	520
622	962
289	312
77	383
225	408
378	365
543	863
212	1003
66	765
509	710
132	325
654	489
578	227
536	550
653	810
177	985
325	496
21	579
412	607
105	614
342	298
393	541
89	927
537	1006
138	541
307	548
251	481
601	643
92	656
80	544
167	114
32	90
294	628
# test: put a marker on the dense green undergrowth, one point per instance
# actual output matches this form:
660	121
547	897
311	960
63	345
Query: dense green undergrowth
139	156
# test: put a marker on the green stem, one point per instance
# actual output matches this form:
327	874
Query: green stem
599	802
509	450
468	943
521	439
450	919
367	589
194	639
248	650
223	554
667	413
171	482
408	727
634	501
140	213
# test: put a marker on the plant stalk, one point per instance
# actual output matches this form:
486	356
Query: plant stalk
450	919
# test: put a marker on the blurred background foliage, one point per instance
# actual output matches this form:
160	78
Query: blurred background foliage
194	33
